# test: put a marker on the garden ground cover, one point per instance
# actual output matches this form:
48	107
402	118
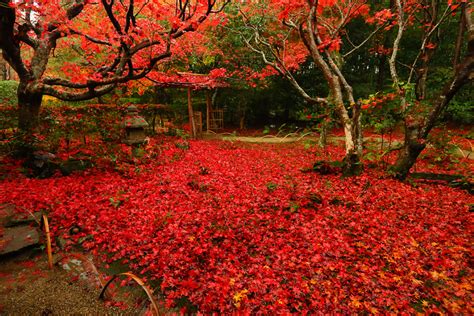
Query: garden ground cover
228	227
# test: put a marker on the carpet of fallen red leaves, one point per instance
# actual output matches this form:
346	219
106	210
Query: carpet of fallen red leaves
241	228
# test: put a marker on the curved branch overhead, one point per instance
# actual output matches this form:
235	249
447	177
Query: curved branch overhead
127	37
187	80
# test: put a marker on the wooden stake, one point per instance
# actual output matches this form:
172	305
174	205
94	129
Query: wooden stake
48	242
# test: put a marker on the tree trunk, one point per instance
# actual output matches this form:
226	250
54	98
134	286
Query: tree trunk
382	58
353	131
323	136
352	165
415	136
351	162
412	148
382	72
29	104
3	70
242	121
430	18
192	122
460	37
420	87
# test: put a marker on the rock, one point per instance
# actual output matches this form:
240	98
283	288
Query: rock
324	167
23	219
61	242
41	165
6	211
10	217
17	238
71	165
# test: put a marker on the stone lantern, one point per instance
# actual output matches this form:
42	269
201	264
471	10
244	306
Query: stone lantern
134	126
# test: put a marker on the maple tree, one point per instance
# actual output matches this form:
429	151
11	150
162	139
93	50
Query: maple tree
286	33
115	43
417	120
229	227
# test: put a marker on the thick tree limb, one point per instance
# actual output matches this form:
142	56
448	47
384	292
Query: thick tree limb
8	43
77	96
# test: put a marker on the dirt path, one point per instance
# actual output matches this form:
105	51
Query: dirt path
292	138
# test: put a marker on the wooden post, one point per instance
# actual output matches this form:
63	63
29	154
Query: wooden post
48	242
192	124
208	108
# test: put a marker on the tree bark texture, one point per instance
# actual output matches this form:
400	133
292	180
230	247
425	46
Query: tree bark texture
412	148
29	104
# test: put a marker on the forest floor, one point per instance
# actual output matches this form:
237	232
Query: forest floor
231	226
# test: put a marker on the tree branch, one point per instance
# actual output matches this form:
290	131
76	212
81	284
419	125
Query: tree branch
76	96
90	38
9	45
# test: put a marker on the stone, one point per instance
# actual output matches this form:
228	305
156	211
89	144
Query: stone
41	165
9	216
72	165
134	126
6	211
18	219
16	238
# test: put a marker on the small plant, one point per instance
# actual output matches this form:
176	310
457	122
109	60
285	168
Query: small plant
115	202
271	186
182	145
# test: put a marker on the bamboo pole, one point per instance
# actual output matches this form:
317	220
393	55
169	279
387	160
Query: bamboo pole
48	242
149	292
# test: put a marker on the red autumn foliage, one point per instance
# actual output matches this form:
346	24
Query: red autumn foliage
240	228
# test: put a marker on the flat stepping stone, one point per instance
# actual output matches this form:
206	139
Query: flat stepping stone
9	216
6	211
16	238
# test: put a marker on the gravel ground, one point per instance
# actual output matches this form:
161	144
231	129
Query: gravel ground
28	287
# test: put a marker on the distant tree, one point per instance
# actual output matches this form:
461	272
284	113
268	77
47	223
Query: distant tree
285	33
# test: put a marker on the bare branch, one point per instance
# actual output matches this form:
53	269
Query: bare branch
368	38
90	38
426	37
279	65
396	43
109	10
10	47
76	96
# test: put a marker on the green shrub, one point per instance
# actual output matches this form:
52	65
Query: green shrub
8	92
460	112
